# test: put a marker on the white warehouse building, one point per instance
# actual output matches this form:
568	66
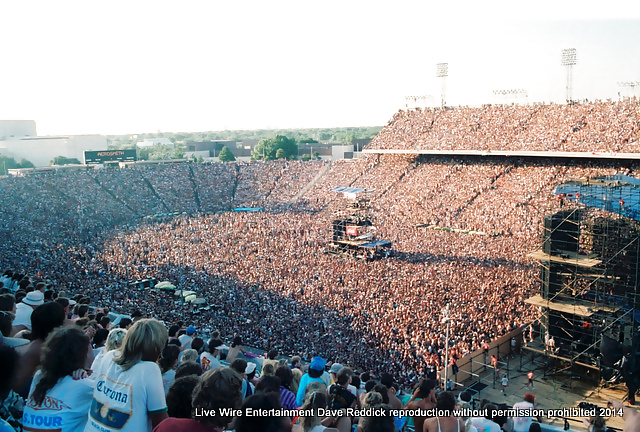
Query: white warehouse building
19	140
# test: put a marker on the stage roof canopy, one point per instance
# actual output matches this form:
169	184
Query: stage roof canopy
248	209
345	189
617	194
378	243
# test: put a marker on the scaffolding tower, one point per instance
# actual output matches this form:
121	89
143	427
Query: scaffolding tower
589	268
353	233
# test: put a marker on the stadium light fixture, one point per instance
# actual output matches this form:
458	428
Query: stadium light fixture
442	72
569	60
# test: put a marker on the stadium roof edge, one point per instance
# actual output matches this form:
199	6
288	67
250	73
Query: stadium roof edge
502	153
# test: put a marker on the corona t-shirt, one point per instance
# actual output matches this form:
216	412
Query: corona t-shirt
123	400
64	408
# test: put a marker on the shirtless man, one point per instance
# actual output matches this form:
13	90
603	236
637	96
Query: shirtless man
424	398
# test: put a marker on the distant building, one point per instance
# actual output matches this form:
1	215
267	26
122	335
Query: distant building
242	153
342	152
241	150
213	147
360	143
17	129
150	142
19	140
323	150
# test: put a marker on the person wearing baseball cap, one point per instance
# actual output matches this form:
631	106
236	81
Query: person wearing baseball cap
186	339
315	374
333	370
22	320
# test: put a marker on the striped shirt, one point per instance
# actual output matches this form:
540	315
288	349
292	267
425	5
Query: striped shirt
287	399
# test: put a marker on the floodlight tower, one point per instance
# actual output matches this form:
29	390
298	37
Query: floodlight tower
442	71
569	60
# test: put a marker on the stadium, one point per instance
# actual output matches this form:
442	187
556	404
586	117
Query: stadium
320	217
460	193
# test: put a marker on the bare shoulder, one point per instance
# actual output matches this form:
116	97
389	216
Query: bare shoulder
429	424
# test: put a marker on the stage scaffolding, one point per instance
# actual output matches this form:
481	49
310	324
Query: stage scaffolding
353	233
589	270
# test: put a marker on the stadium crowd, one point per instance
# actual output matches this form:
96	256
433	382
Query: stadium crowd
265	278
596	126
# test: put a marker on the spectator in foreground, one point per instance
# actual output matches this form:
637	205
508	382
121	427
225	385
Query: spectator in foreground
129	383
210	359
630	416
383	423
167	362
236	350
423	397
61	378
179	396
11	404
219	388
447	402
188	368
267	401
44	319
24	309
521	424
287	398
114	341
315	373
312	401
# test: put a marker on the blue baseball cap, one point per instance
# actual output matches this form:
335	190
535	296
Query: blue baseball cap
191	330
317	363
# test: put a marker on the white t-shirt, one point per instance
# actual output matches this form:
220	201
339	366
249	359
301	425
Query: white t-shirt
521	424
185	341
123	400
97	351
23	315
485	425
168	378
208	361
353	390
65	406
97	361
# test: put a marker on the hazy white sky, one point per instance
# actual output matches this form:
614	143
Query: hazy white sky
141	66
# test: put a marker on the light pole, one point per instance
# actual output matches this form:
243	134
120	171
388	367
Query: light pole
569	59
126	264
442	71
446	319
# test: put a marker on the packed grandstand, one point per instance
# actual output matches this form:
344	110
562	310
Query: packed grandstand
461	229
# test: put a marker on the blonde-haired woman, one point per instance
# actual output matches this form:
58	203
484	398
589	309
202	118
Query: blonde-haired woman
114	341
129	395
313	400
